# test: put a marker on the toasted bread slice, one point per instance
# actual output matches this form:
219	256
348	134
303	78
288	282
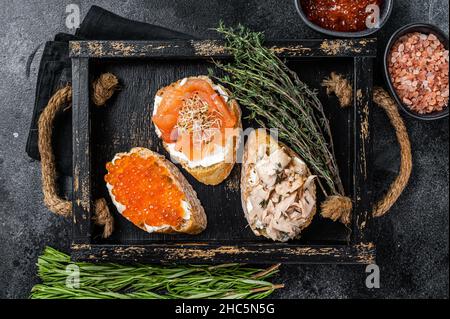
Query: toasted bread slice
269	226
194	221
216	173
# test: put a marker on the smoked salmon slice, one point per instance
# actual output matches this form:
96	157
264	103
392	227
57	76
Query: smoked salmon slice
198	106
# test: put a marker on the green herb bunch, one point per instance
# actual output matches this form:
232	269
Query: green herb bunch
277	98
114	281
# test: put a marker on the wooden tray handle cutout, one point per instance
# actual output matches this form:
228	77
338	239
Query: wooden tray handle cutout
342	89
103	89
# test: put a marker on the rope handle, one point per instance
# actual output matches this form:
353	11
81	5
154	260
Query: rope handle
340	86
103	89
385	101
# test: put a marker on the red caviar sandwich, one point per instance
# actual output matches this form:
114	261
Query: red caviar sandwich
200	127
152	193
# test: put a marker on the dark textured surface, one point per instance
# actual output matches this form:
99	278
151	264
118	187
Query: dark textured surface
412	239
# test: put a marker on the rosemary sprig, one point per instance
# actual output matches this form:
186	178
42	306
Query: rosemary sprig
277	98
114	281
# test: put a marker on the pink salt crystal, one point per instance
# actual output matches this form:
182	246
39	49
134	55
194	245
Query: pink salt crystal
407	101
418	66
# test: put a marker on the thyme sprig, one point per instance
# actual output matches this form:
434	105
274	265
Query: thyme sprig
277	98
114	281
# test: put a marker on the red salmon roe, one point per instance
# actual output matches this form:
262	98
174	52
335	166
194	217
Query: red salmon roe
147	190
339	15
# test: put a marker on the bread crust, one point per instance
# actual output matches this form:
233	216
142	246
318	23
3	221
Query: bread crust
216	173
197	221
258	137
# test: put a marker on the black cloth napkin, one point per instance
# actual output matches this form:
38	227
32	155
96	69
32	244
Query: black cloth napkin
55	72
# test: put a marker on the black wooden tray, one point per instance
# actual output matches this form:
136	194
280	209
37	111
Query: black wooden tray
143	68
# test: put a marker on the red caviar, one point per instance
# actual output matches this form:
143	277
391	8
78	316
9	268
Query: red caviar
339	15
147	190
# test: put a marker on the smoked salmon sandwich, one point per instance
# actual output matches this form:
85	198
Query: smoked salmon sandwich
151	192
200	126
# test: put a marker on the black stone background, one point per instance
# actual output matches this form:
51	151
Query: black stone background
412	240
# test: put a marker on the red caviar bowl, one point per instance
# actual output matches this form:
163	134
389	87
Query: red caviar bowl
385	13
410	28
